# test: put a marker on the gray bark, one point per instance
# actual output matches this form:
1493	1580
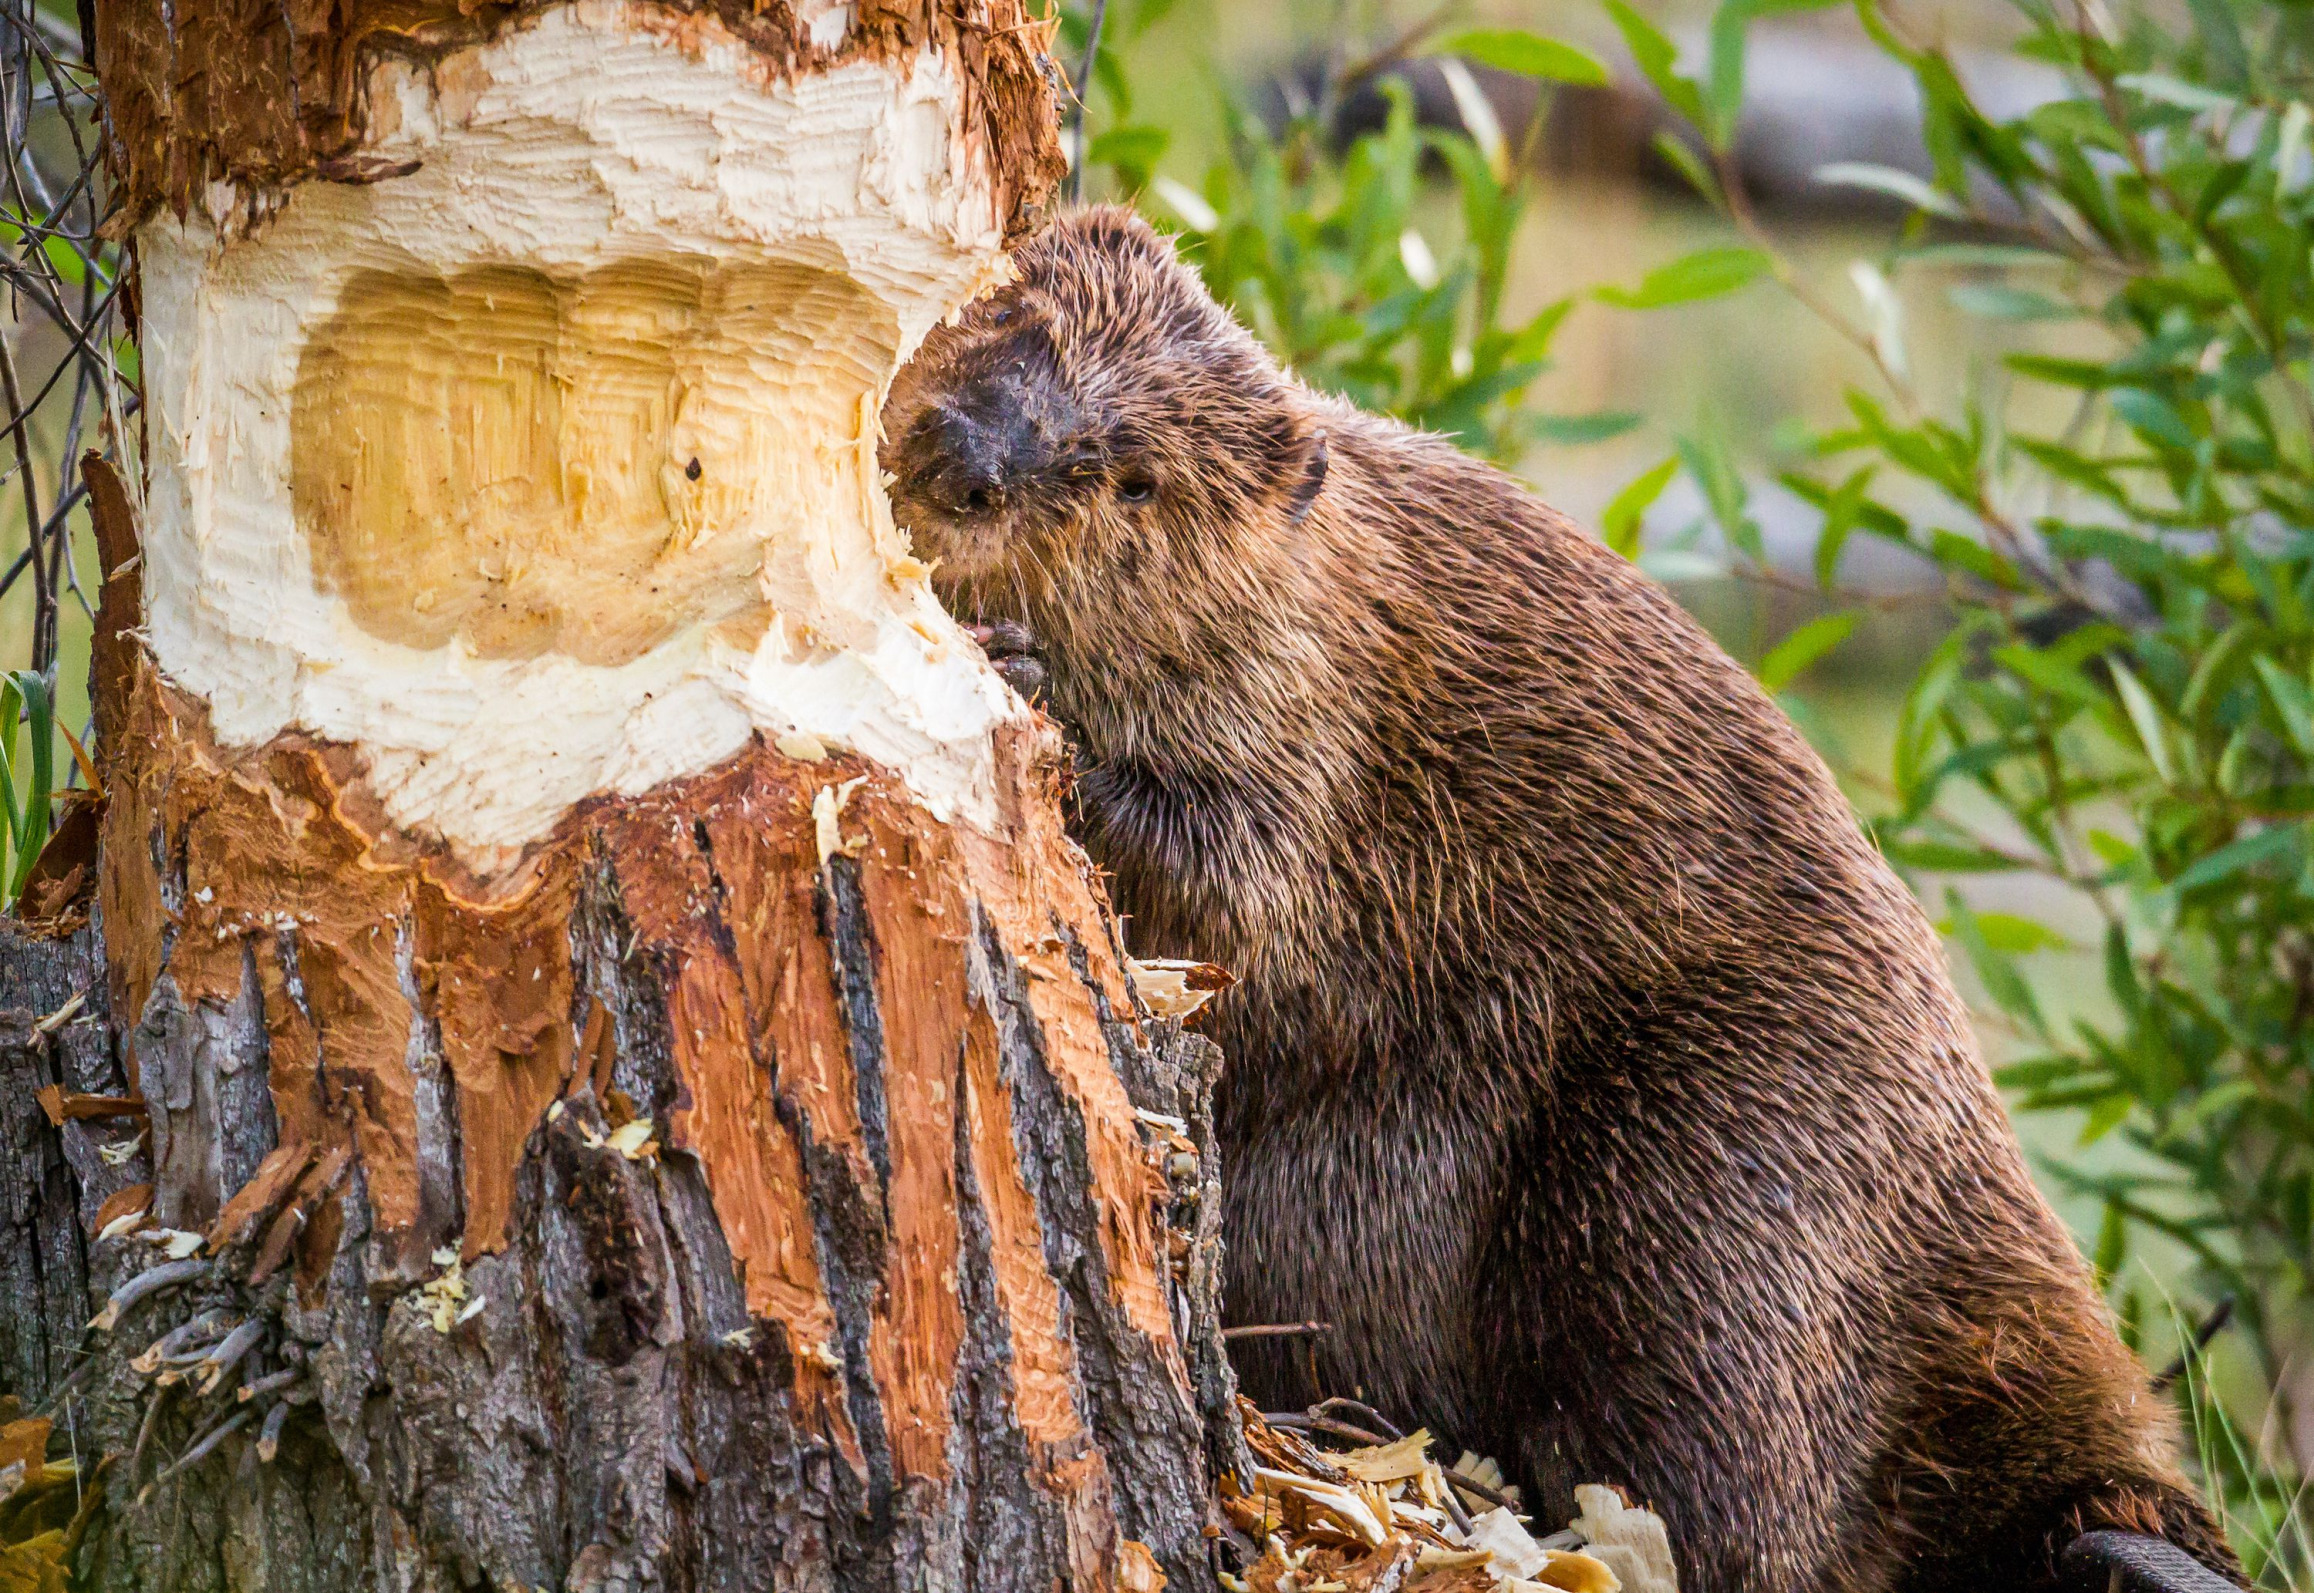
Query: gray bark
611	1419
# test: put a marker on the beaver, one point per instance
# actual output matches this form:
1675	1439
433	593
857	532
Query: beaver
1588	1068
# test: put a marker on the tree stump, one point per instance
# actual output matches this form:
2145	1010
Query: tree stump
597	1065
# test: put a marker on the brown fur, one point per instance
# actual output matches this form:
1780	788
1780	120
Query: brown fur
1590	1070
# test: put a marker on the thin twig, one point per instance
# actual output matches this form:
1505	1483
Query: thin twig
1296	1422
1279	1330
44	588
1360	1409
1081	89
200	1451
2212	1326
1407	41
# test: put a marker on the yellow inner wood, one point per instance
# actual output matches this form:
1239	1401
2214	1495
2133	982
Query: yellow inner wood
578	466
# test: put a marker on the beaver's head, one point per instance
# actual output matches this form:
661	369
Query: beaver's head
1099	419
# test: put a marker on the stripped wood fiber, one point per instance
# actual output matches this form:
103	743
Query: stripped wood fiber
608	429
695	1149
896	1089
259	94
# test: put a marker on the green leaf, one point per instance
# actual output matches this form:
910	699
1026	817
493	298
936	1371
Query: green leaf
40	723
1942	857
1705	274
2008	933
2221	35
1789	658
1619	522
1683	159
2152	732
2291	701
1916	723
1895	184
1711	465
2060	372
2172	91
2036	1073
1147	15
1528	54
1842	510
2152	417
2246	853
1724	94
1137	148
2112	1241
1573	430
1997	301
2002	982
2050	672
1955	551
2106	1116
1654	54
11	713
2214	667
1533	341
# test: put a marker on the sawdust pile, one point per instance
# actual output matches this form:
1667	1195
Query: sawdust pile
1389	1518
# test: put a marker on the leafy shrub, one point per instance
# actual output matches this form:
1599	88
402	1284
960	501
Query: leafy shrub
2124	707
1338	260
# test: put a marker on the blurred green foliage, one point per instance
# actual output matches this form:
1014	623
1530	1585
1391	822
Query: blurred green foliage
2124	708
1342	261
2122	712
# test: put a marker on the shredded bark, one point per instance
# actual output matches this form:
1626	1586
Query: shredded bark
262	94
854	1129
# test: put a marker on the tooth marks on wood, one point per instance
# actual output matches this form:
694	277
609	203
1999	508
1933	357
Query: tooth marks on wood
208	91
792	1294
1170	1071
1139	1408
850	1234
1008	1519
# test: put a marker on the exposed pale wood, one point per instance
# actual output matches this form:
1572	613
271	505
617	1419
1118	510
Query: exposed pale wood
754	1182
934	1372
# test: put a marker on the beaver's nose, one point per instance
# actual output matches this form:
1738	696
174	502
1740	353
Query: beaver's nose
967	451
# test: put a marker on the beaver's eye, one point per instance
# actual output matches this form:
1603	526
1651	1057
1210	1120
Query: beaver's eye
1136	489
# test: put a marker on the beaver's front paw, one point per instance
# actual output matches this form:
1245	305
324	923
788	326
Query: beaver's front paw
1011	650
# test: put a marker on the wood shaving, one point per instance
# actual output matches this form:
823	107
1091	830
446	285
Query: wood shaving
1629	1540
827	811
633	1140
444	1298
1359	1519
1176	987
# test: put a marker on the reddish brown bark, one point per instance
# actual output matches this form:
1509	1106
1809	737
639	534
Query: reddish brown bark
889	1161
718	1198
265	93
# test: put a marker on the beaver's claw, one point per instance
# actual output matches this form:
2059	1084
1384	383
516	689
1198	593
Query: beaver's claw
1011	650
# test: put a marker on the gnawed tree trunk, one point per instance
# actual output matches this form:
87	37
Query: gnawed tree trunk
637	1090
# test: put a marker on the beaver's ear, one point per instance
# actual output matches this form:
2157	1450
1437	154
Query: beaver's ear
1301	471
